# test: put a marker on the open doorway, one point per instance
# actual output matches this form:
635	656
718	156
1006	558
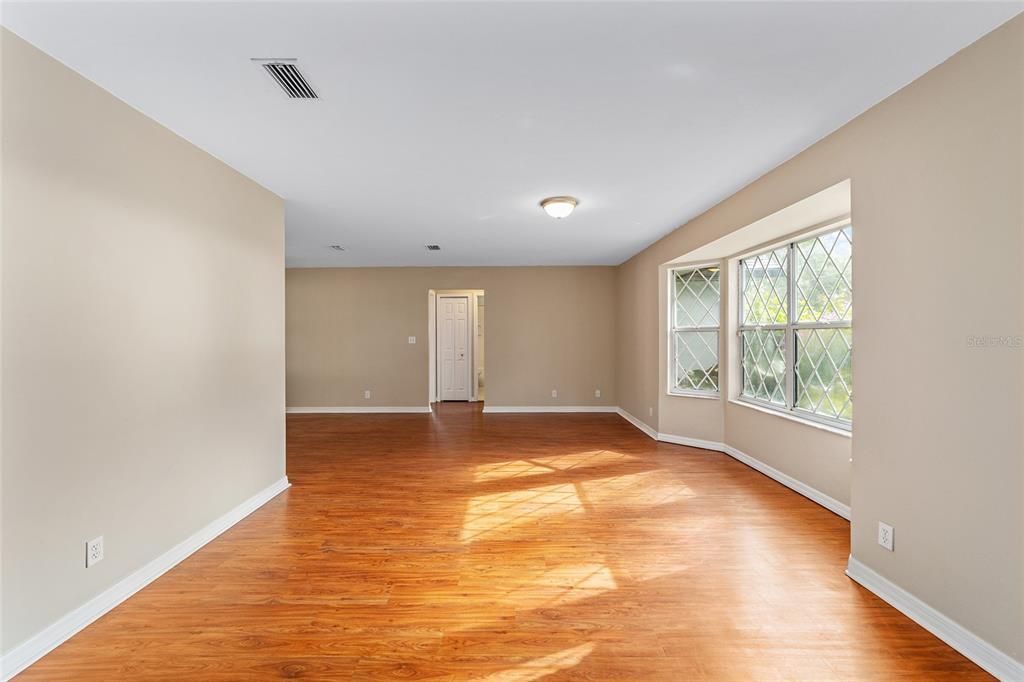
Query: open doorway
455	333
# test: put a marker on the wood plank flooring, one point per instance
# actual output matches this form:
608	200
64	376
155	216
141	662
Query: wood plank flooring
461	546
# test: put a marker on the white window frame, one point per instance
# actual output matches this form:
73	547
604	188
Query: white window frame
672	329
789	329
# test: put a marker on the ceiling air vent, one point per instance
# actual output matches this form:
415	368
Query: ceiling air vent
337	247
288	76
433	247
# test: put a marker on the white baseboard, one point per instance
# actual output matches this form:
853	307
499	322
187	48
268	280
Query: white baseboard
360	409
813	494
31	650
497	409
692	442
652	433
991	659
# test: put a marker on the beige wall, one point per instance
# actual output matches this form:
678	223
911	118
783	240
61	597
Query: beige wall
547	328
938	441
143	339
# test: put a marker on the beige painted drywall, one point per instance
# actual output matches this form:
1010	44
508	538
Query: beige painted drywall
937	174
143	339
547	328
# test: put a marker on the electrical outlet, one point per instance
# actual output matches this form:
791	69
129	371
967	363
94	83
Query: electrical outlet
412	340
554	393
366	395
885	535
597	393
650	411
93	552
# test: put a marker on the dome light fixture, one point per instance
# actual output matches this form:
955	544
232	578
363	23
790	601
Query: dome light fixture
558	207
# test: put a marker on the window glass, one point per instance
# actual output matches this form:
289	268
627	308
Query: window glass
802	363
695	328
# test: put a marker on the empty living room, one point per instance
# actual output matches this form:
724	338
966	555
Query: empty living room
503	340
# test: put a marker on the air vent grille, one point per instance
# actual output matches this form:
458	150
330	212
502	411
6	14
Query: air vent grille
433	247
290	79
337	247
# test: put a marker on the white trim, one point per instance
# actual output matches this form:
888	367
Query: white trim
691	442
473	295
360	409
497	409
700	395
991	659
431	346
30	651
649	430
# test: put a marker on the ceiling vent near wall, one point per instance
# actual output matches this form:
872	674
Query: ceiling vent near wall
286	74
433	247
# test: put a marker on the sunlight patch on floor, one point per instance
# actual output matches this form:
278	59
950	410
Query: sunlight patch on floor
641	571
560	585
542	667
496	514
502	470
532	466
643	489
582	459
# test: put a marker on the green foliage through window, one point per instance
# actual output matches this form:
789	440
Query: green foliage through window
804	361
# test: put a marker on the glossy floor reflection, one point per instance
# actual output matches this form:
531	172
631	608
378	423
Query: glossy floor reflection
461	546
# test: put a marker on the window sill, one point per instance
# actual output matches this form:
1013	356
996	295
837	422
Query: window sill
793	418
699	396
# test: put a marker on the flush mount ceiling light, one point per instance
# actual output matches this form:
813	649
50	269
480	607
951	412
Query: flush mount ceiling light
558	207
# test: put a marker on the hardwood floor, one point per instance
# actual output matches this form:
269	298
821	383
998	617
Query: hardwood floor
511	547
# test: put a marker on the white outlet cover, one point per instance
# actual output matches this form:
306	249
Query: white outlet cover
554	393
366	395
93	552
597	393
886	536
412	339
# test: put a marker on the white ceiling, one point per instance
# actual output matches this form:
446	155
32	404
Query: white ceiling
447	122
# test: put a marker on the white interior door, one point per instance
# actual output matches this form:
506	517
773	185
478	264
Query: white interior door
455	366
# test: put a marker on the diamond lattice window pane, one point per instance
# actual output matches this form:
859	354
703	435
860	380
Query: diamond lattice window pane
765	287
696	297
824	277
764	365
824	372
696	361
